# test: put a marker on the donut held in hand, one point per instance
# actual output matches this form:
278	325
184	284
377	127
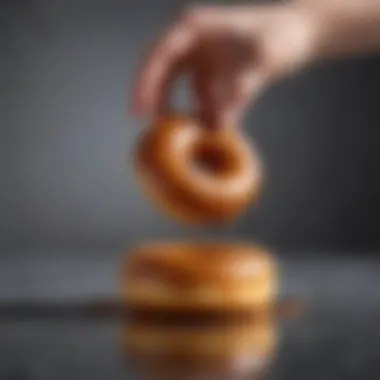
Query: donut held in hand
195	174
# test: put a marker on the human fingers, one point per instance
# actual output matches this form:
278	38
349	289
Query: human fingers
156	70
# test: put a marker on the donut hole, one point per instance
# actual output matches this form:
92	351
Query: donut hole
212	159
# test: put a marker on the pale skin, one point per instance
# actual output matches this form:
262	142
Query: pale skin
276	40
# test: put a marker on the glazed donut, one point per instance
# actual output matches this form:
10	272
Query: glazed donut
199	351
195	174
199	276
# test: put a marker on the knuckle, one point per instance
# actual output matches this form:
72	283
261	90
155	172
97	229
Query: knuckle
190	15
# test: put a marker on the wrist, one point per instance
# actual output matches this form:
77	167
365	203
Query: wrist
345	27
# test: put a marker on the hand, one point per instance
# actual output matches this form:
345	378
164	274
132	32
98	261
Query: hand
232	54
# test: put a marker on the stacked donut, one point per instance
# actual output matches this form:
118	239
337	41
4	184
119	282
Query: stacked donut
199	277
199	310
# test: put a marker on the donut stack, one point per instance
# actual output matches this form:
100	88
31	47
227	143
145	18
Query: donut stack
201	308
202	176
204	277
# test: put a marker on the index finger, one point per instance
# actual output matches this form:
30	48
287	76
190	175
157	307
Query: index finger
175	43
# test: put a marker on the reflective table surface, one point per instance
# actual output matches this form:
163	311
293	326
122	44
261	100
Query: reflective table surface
336	334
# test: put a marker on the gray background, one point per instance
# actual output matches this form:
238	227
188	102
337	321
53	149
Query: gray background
66	71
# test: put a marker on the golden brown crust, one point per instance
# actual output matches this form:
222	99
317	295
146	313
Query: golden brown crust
200	275
206	261
170	165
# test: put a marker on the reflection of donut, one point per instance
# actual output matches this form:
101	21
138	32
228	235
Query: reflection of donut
199	276
196	351
195	174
